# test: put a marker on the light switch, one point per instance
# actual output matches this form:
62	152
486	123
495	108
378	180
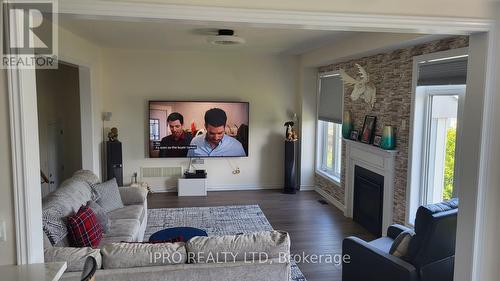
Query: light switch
3	236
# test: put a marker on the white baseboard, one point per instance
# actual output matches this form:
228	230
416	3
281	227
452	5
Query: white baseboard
330	199
223	187
306	187
236	187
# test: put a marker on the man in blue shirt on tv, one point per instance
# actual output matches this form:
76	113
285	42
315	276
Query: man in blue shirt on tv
215	142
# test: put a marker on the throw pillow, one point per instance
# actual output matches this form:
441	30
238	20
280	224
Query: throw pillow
54	225
75	257
400	246
109	195
101	215
83	228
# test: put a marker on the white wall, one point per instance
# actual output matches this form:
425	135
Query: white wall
462	8
357	45
8	248
269	83
78	51
489	244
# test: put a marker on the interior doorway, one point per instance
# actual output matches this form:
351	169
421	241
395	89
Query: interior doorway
59	123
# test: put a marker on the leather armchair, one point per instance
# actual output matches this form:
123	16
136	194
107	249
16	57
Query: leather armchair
431	252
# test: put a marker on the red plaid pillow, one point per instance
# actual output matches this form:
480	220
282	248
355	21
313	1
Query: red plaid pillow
83	228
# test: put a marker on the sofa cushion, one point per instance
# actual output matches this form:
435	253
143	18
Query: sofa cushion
75	257
133	195
109	196
101	215
115	239
123	227
69	197
87	176
128	212
84	229
240	247
400	247
125	255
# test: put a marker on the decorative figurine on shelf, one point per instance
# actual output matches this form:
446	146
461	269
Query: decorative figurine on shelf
291	134
113	134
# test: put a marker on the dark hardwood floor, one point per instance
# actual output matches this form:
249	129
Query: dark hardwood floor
314	228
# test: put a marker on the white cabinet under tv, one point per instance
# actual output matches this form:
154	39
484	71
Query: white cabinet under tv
192	187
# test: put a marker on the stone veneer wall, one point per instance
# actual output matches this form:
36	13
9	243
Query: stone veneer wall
392	74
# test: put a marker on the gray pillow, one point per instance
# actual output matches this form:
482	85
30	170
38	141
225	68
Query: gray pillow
109	195
101	215
401	245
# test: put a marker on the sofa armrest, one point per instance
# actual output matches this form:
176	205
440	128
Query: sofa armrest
369	263
133	195
394	230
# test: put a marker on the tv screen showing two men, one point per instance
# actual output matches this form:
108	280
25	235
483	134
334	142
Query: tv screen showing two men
198	129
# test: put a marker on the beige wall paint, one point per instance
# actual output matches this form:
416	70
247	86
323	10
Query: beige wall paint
358	44
8	248
457	8
269	83
78	51
58	101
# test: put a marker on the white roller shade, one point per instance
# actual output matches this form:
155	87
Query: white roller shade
331	97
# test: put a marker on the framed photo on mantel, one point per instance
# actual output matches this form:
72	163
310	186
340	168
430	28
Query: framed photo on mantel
368	129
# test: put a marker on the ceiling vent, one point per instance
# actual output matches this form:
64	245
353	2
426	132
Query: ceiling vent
226	37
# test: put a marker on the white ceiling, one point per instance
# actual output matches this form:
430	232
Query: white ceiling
175	36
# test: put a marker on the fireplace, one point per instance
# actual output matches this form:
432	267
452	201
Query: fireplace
368	199
376	181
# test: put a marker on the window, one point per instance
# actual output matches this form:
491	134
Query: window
439	146
330	105
154	129
329	149
437	103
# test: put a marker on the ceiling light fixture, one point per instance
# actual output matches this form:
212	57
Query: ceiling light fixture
225	37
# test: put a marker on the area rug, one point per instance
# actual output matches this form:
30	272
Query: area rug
223	220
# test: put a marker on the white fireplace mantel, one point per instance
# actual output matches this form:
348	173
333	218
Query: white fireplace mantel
377	160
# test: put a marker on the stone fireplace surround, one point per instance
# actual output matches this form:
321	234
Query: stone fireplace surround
377	160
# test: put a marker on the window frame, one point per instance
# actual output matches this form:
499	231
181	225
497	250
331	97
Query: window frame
150	131
321	140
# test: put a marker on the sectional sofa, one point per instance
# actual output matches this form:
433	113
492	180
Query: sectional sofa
122	257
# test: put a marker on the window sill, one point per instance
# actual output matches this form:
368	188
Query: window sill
330	178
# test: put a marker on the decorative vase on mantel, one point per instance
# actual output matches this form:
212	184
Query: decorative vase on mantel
387	141
346	125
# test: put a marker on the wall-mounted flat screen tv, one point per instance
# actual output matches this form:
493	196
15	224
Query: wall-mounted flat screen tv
180	129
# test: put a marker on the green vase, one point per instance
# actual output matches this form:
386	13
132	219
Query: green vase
387	141
346	125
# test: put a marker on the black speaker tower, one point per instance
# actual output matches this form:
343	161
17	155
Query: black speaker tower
114	164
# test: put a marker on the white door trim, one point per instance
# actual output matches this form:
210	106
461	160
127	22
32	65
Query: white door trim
25	150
